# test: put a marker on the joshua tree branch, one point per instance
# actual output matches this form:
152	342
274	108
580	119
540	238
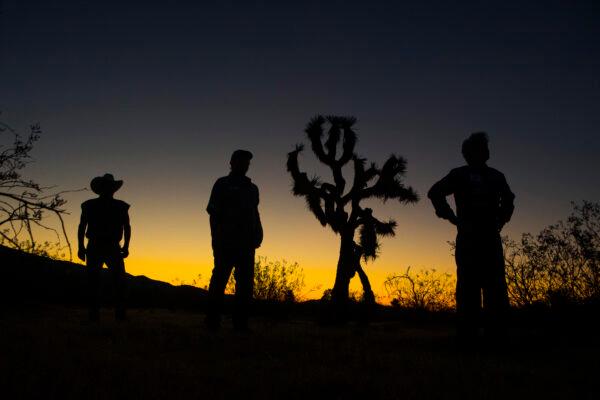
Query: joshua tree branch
314	130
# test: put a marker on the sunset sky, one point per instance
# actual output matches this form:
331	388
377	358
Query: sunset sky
160	93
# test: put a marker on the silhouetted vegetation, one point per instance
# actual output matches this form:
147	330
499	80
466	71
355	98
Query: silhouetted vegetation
328	201
425	290
25	204
559	265
275	280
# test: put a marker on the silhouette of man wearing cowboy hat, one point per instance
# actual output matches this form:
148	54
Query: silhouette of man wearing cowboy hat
105	222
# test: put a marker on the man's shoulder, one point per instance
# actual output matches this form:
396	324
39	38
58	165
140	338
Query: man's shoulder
89	203
230	180
495	173
465	170
253	188
121	204
459	171
222	181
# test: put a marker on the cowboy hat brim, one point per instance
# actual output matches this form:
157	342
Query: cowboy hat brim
101	185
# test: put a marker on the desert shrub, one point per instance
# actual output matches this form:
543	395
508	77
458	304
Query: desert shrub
274	280
428	290
54	250
527	281
198	282
560	264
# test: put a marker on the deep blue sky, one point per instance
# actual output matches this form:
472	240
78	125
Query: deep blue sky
160	93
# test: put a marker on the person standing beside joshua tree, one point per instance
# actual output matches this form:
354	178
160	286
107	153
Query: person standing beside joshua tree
105	221
484	204
236	232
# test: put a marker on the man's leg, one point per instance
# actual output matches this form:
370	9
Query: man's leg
468	288
495	293
244	286
93	266
216	289
117	268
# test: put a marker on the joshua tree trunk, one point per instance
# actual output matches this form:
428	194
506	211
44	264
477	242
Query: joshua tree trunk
348	266
368	295
345	269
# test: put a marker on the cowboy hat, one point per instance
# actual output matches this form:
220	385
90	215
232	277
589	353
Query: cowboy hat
105	184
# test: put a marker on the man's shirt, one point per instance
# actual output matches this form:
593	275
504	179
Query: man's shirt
106	219
233	209
483	198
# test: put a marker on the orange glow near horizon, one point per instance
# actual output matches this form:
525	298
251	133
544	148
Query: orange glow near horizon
175	248
171	235
161	95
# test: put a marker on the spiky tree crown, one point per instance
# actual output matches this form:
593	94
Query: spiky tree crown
327	201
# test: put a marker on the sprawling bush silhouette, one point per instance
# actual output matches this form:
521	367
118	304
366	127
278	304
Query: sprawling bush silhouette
425	290
559	264
340	209
527	281
25	204
274	280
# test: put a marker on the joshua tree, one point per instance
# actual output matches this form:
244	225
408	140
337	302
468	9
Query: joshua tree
329	201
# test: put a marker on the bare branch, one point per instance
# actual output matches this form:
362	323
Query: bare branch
24	202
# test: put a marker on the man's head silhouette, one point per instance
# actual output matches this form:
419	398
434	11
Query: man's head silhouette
105	185
240	162
475	149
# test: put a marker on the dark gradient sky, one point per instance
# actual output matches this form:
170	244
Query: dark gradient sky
160	93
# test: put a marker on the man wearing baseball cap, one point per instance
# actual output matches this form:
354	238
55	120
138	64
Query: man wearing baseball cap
105	222
236	232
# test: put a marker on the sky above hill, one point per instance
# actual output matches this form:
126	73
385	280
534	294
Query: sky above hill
161	93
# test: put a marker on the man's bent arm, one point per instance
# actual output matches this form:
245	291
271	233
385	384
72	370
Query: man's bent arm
127	233
438	193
